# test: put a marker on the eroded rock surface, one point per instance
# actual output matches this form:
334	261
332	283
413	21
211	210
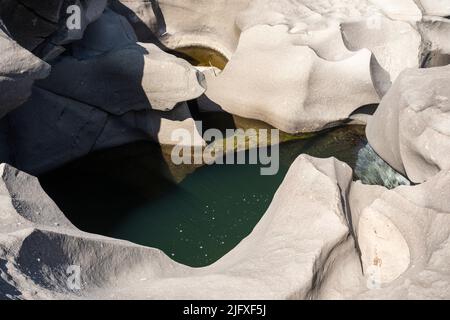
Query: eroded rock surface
272	79
18	70
285	44
279	260
110	92
361	242
411	128
436	7
42	26
300	65
403	235
435	32
113	72
264	38
186	23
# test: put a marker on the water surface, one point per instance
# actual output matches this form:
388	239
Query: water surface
130	193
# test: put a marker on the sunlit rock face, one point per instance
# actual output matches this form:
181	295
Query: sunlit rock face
299	65
268	41
403	236
327	36
383	27
186	23
395	46
405	10
373	170
111	70
436	31
436	7
410	129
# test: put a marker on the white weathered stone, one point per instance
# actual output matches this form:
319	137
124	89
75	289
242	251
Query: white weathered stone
395	45
110	71
404	10
403	236
436	7
272	79
329	29
435	49
42	26
405	247
381	26
50	130
110	92
411	128
187	23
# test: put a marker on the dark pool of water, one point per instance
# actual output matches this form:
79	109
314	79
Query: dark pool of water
130	193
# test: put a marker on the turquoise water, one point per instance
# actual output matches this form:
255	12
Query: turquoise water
129	193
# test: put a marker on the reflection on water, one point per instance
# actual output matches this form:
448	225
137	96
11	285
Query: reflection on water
202	57
129	193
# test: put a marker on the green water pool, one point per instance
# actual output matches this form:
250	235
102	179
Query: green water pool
130	193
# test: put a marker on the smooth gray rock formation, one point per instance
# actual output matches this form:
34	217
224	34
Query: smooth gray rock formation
287	89
436	7
50	130
401	249
186	23
271	78
18	70
111	71
383	27
300	65
41	26
404	10
404	238
394	44
411	128
435	32
271	35
110	92
279	260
